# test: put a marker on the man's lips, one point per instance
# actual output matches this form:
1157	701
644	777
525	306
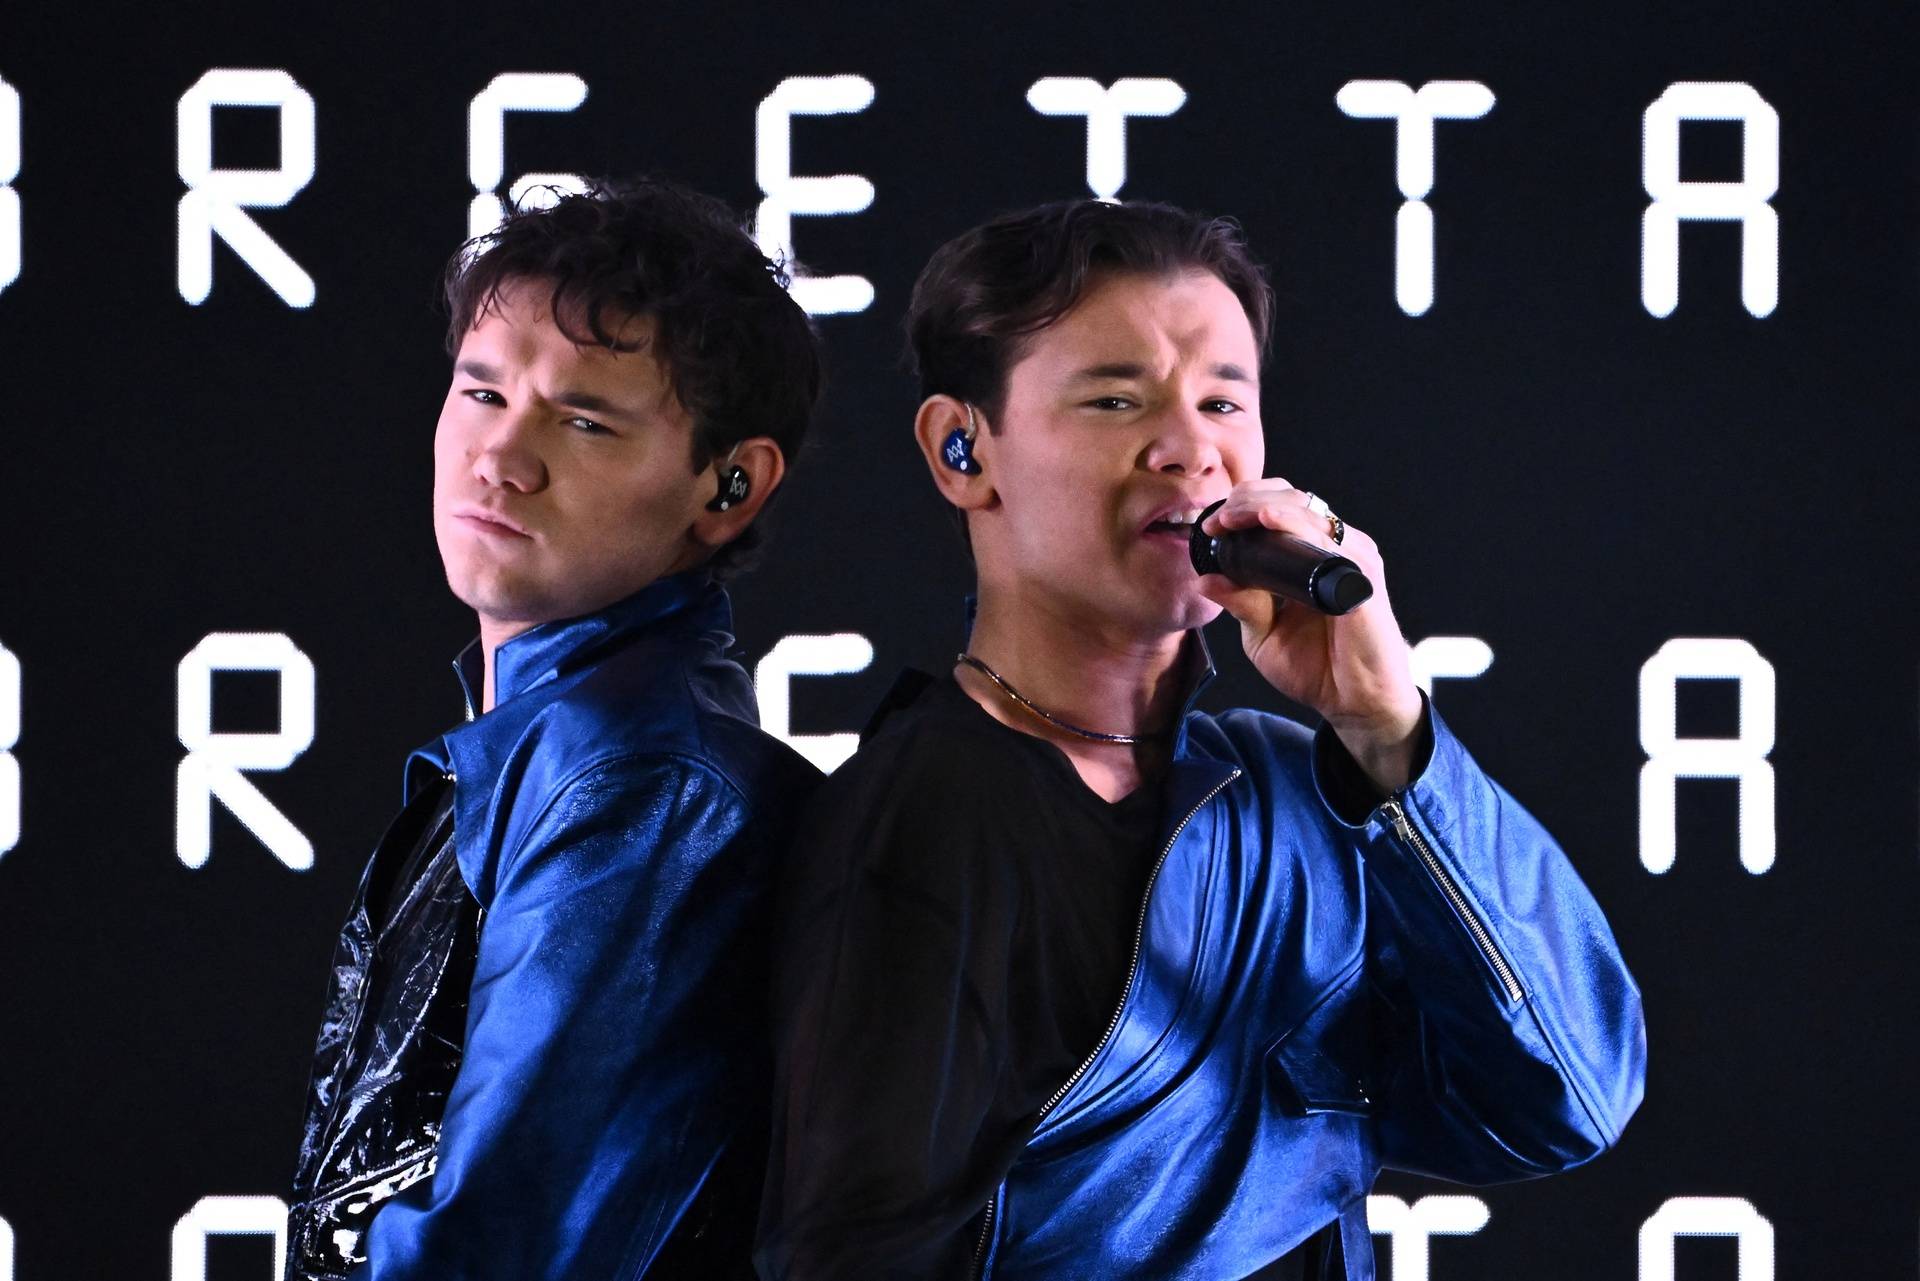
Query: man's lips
490	522
1174	522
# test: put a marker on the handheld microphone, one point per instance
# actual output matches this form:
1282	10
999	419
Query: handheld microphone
1281	564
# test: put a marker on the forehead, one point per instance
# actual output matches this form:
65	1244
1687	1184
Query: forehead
1155	321
518	324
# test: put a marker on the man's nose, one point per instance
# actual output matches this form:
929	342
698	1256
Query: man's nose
506	453
1186	444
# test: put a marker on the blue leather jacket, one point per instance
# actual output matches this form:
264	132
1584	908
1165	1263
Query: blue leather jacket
1319	993
1323	983
616	816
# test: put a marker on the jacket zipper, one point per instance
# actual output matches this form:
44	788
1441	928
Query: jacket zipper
1113	1024
1403	826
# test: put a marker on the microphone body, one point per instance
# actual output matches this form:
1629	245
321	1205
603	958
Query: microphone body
1282	564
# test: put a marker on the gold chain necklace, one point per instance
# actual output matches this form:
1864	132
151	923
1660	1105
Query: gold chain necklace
1047	716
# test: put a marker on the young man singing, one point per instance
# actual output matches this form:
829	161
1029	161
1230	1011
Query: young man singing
1079	982
542	1054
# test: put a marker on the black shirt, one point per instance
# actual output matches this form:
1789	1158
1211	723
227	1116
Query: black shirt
961	914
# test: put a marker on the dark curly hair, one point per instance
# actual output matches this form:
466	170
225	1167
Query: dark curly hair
987	291
741	355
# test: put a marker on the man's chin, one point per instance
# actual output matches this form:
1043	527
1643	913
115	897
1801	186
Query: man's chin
1169	616
502	603
516	602
1195	611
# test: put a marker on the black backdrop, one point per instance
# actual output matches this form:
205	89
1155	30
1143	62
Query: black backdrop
1548	466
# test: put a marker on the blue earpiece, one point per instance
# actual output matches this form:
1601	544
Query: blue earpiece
957	450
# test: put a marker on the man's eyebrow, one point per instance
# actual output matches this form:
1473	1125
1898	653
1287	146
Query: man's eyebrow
479	371
1115	369
1131	369
588	401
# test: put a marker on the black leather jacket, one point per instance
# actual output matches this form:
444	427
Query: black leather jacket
390	1037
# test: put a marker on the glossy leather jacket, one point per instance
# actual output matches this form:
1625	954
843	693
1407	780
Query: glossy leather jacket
1321	990
597	1107
390	1037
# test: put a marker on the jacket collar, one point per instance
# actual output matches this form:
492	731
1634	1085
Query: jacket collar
1197	657
1193	775
536	658
541	653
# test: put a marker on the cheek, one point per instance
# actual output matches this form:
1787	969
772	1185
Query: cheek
1054	485
642	507
447	453
1248	460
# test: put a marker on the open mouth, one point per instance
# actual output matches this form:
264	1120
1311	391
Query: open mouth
1175	524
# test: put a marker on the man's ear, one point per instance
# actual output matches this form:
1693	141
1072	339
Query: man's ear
763	466
934	428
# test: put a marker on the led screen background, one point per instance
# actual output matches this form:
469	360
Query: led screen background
1557	476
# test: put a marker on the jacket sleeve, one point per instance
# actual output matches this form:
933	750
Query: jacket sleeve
614	1028
884	1153
1513	1041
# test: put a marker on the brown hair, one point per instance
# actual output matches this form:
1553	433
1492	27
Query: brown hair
984	293
741	353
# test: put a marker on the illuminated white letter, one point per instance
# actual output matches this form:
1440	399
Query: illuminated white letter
1412	1227
9	198
216	198
1744	202
1743	757
788	194
1450	658
1705	1216
1413	113
214	761
227	1216
1106	111
839	654
487	142
9	739
6	1251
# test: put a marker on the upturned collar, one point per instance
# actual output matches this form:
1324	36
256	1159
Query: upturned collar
542	653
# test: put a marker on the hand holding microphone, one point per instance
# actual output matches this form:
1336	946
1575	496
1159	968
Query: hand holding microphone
1280	563
1343	654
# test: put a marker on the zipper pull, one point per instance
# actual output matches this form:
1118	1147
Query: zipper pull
1397	817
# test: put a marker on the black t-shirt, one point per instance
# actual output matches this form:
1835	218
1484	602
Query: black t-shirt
961	918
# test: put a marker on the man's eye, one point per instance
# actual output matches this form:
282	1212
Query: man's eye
1110	402
485	396
588	426
1219	406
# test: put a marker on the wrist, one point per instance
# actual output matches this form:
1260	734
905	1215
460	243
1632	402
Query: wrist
1383	743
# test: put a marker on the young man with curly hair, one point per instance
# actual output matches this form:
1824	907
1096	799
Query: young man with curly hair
542	1053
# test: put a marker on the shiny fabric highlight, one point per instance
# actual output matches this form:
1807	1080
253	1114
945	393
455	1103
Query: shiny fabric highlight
390	1039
